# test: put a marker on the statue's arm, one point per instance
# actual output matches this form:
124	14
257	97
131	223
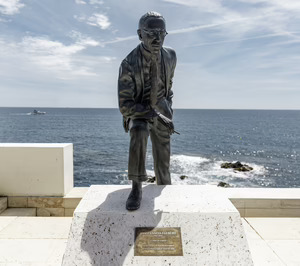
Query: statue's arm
166	104
171	93
126	90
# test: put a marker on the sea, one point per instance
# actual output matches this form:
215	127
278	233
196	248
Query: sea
266	140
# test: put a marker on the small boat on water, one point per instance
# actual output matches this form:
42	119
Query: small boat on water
36	112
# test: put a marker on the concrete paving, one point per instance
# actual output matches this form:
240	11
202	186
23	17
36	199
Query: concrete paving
38	241
281	236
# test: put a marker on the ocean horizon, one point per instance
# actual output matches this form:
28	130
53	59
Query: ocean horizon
267	140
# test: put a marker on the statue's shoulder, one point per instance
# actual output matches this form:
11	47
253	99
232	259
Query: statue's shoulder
132	56
169	51
169	54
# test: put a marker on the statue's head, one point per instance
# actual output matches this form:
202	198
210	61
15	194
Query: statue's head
152	31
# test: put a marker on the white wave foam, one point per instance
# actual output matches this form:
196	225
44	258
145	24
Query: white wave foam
21	114
200	170
188	160
190	166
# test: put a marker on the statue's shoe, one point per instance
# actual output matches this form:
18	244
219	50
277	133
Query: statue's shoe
134	200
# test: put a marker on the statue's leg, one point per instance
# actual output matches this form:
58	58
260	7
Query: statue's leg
139	132
160	139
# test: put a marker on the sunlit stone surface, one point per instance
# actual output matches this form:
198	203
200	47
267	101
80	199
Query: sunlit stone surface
102	231
36	169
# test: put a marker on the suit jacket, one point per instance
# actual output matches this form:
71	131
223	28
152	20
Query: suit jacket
131	84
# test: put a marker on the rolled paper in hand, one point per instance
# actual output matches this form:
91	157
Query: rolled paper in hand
168	123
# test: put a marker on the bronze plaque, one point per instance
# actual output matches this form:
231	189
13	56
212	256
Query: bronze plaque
154	241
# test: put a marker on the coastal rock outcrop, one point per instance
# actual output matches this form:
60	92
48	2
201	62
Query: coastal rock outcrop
223	184
151	179
182	177
238	166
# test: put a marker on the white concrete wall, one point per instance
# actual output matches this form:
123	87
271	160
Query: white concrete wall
35	169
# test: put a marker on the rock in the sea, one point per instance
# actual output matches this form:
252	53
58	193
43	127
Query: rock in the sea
151	179
182	177
238	166
223	184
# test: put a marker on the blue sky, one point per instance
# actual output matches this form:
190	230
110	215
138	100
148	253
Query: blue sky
242	54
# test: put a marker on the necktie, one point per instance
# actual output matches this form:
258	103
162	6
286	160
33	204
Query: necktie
154	83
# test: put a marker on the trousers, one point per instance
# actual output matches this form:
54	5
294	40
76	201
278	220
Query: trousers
140	129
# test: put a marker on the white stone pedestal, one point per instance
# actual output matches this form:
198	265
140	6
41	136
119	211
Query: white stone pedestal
102	231
36	169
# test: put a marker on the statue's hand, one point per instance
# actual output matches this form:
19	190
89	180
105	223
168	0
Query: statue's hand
168	123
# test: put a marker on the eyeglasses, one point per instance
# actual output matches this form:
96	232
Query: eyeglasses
153	33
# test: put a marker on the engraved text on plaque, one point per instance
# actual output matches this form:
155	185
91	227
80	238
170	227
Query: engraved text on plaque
164	241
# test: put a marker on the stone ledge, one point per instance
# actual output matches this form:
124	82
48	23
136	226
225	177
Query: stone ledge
48	206
42	202
45	202
271	213
262	193
19	212
265	202
3	204
17	202
69	212
46	212
250	202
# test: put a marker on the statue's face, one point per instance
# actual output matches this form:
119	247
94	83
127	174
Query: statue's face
153	34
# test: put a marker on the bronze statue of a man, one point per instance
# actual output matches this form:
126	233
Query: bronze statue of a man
145	101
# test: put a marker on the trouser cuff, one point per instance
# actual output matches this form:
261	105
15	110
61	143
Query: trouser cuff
138	178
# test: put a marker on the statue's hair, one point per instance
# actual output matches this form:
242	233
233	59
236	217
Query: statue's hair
150	14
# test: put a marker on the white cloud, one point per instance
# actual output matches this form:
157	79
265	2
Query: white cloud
99	20
271	15
245	39
96	2
80	2
213	7
80	18
49	54
96	20
209	4
47	72
79	38
84	40
89	42
122	39
63	60
286	4
250	19
200	27
223	30
40	45
10	7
